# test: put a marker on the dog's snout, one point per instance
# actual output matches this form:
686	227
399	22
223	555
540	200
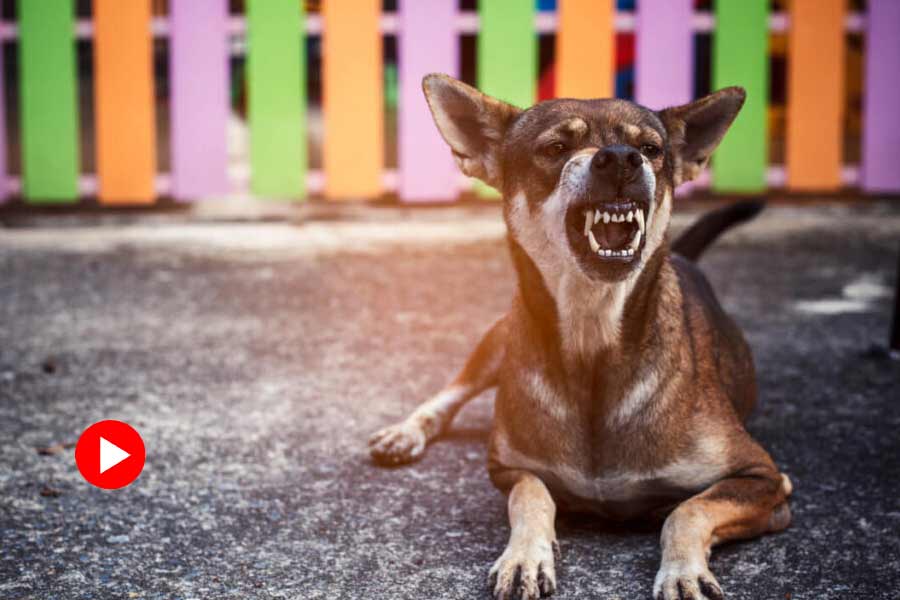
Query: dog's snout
617	164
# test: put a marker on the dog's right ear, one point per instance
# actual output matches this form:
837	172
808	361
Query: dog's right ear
472	123
695	129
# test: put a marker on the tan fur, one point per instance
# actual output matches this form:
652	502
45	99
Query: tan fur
530	554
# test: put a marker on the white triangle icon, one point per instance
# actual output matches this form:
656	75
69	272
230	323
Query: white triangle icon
110	455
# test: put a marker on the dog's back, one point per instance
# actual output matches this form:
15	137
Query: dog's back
735	361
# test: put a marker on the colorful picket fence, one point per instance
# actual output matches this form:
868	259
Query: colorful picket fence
428	33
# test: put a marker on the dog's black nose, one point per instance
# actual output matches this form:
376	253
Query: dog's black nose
617	164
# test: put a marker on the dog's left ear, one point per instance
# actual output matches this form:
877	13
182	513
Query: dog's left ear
696	129
473	125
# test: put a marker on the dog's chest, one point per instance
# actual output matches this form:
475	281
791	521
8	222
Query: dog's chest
596	461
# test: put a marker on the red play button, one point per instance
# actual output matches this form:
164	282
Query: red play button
110	454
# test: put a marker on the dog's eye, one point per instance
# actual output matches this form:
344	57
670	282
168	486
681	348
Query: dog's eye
554	149
651	151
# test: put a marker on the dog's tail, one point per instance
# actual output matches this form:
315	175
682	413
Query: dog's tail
710	226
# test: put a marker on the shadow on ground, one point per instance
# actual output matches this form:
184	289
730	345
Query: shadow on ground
255	359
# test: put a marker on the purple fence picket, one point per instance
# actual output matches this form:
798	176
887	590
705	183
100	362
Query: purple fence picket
4	181
428	44
664	53
881	129
199	77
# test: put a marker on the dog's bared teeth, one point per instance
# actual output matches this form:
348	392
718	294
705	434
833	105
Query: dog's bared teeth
588	221
639	214
630	216
593	242
606	217
596	216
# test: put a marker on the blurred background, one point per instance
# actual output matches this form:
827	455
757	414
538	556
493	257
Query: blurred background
148	101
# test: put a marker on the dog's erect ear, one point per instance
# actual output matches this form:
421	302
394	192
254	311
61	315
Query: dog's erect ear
696	129
472	123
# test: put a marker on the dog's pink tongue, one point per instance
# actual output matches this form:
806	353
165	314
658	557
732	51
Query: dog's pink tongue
614	235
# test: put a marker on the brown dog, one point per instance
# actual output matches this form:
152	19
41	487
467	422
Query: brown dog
622	384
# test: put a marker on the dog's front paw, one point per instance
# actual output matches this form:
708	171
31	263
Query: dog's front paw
398	444
524	571
683	581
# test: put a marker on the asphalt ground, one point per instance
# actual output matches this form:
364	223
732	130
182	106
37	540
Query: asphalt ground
255	358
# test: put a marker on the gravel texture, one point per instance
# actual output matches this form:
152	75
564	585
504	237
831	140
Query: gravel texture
255	359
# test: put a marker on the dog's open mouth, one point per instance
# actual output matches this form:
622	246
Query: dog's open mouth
612	231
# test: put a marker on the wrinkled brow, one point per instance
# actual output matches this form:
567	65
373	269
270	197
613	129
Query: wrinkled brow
640	134
574	127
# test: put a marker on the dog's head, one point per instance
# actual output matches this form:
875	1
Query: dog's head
587	184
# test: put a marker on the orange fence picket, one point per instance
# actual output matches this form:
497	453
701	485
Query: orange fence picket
585	50
353	107
815	111
124	100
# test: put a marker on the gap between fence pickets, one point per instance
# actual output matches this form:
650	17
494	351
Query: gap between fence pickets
776	177
467	22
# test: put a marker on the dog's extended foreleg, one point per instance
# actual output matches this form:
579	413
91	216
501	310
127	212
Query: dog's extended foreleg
527	568
748	504
405	442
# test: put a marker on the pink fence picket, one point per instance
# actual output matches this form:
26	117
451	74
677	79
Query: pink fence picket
428	43
664	71
199	77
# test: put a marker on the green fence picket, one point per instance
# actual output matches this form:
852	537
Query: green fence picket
507	54
276	76
740	57
48	101
507	51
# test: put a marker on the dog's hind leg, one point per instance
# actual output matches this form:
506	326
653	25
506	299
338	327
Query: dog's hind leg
405	442
748	504
527	568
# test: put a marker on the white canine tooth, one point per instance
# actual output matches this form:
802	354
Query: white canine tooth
587	222
606	217
636	241
596	216
640	219
593	242
630	216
